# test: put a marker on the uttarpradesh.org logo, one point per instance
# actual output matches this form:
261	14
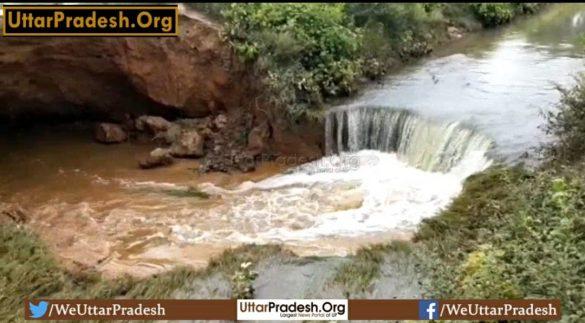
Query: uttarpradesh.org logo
428	309
38	311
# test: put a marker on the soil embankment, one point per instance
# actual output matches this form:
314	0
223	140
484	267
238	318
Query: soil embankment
194	75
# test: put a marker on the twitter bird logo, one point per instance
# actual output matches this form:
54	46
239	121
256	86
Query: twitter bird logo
37	311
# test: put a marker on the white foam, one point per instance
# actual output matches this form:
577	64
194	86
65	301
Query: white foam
349	195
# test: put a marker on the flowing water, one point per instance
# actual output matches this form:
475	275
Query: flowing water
396	154
498	82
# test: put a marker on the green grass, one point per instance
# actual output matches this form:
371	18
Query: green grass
364	266
28	269
518	233
512	233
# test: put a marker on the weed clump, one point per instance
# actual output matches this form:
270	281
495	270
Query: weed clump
512	233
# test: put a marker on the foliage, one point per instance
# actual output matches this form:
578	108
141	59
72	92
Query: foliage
511	234
20	279
567	125
515	233
527	7
408	28
310	49
493	14
308	52
28	269
243	281
364	267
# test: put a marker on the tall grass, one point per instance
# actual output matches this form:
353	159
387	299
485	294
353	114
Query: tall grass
29	270
517	233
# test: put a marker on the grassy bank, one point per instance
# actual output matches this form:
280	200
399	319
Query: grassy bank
518	233
307	53
28	269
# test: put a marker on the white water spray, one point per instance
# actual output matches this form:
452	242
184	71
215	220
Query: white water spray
385	172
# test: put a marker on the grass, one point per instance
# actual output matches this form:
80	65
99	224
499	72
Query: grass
518	233
364	267
512	233
28	269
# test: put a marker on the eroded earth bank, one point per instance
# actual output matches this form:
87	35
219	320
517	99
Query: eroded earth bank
82	116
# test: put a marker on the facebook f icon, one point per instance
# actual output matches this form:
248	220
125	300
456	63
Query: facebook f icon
428	309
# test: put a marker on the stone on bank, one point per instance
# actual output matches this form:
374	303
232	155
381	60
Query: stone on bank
110	133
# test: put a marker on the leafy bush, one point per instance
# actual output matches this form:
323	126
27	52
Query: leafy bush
567	125
311	49
511	234
407	28
243	281
527	7
494	14
307	52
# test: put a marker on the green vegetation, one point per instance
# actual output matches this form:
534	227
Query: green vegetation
364	267
494	14
517	233
243	281
309	52
511	234
27	269
567	125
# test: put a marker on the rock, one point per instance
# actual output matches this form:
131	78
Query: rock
220	121
109	133
245	163
202	125
171	135
214	163
11	213
257	139
156	158
153	124
128	123
454	32
189	144
193	73
189	123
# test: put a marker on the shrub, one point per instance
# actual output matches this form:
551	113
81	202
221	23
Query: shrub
407	28
511	234
243	282
310	49
308	52
494	14
567	125
527	7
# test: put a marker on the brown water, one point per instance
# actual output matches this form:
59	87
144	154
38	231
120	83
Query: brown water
96	208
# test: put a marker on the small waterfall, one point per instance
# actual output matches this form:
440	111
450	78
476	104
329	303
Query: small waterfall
419	142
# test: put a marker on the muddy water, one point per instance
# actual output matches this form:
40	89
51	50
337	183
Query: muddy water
95	208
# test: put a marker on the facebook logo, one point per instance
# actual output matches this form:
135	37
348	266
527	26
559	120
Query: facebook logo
428	309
